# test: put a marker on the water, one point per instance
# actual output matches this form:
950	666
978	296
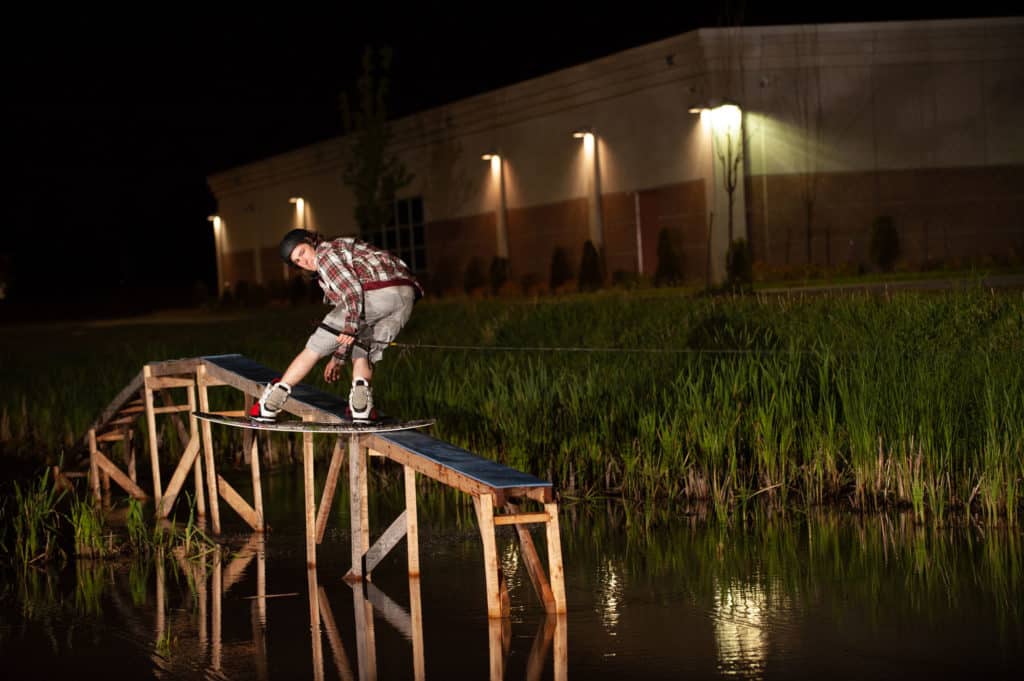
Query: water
649	597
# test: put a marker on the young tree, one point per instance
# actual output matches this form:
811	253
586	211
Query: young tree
372	171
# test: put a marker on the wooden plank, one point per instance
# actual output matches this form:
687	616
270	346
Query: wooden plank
330	485
161	383
120	478
432	469
133	387
240	505
154	456
111	437
484	506
535	569
252	386
387	541
197	467
124	420
172	367
173	409
412	531
186	462
94	473
555	571
521	519
202	382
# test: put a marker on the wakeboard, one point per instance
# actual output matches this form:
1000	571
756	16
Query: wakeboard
381	425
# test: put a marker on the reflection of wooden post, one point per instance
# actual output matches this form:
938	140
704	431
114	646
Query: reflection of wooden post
555	558
484	505
261	579
358	506
154	456
202	596
217	589
197	467
416	615
314	624
211	470
540	647
161	613
307	469
496	648
412	533
366	646
334	638
257	485
561	648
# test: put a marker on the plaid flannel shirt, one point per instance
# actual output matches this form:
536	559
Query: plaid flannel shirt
348	267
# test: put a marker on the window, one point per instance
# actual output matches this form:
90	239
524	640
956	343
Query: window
403	235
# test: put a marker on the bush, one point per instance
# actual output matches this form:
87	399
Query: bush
561	270
474	279
739	268
591	268
499	273
884	247
669	273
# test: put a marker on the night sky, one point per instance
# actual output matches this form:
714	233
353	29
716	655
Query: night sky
115	120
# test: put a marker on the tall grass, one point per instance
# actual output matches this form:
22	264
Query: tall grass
898	401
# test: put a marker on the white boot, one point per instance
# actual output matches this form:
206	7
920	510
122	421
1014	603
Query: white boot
360	400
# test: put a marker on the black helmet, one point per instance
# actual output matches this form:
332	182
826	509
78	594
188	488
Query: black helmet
293	239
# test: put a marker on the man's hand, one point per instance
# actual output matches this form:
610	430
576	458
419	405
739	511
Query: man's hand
332	372
345	340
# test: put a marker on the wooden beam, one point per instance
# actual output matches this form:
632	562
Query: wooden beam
433	470
554	537
521	518
535	569
240	505
359	510
133	387
309	485
186	462
257	483
484	506
173	409
412	531
115	436
161	383
384	544
154	456
197	467
120	478
172	367
202	382
94	473
330	485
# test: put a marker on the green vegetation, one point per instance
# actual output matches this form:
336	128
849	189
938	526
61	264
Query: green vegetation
900	400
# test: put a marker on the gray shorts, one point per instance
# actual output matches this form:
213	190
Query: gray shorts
385	312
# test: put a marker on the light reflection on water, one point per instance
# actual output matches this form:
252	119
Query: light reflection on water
685	600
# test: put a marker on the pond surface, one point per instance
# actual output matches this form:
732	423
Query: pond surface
826	596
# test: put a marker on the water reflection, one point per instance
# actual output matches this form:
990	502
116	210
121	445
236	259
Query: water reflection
740	612
610	595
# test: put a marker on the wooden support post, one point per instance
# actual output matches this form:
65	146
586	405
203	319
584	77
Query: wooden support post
240	505
330	485
484	505
555	559
387	541
412	532
211	471
257	484
358	506
307	469
129	445
197	467
534	567
94	473
154	456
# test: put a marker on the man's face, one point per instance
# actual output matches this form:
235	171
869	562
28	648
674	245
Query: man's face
304	256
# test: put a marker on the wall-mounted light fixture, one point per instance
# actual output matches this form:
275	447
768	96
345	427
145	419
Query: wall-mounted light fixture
300	211
501	223
590	147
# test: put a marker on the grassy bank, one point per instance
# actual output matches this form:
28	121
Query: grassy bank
875	401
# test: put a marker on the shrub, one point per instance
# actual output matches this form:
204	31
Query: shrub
474	279
739	269
561	270
884	247
669	273
499	273
591	269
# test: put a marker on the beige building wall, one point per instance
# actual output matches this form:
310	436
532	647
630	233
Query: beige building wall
918	120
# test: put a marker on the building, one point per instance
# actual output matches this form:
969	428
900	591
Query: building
797	138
